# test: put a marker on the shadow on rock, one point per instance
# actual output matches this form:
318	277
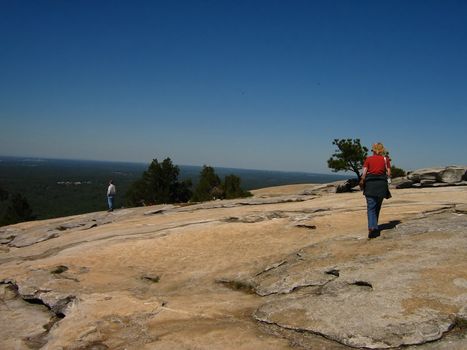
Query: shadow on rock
389	225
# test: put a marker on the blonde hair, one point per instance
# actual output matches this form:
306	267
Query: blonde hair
378	148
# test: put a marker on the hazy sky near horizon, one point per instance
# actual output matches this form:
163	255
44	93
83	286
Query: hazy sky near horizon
246	84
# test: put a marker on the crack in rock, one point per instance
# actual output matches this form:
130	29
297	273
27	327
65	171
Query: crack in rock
151	278
59	269
56	310
362	284
441	210
159	232
333	272
237	285
22	244
244	202
159	210
274	280
56	305
254	218
307	226
20	238
96	345
70	226
294	216
7	239
272	267
387	312
435	221
392	335
461	208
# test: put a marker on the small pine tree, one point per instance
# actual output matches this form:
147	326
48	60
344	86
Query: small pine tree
159	184
349	156
209	186
232	188
397	172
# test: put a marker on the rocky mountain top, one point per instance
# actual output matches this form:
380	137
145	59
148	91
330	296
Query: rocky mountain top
434	177
288	268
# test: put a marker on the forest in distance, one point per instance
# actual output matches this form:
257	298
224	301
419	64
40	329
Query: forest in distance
57	188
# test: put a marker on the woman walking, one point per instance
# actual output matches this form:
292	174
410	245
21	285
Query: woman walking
374	182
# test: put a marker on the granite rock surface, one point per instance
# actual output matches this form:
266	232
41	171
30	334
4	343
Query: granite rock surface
290	268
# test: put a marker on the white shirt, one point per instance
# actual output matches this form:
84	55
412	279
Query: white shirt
111	191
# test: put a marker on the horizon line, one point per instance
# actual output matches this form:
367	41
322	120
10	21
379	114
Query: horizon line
36	158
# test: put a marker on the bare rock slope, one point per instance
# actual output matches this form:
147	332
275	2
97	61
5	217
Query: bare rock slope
289	268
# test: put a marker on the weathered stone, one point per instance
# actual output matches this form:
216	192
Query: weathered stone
292	274
254	218
366	304
21	320
97	286
159	209
452	174
426	183
441	184
424	174
401	182
461	208
354	321
347	185
7	239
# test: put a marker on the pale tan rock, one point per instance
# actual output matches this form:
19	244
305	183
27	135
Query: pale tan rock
375	301
164	277
453	174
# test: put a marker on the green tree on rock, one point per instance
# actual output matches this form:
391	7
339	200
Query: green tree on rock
159	184
209	186
349	156
14	208
232	188
397	172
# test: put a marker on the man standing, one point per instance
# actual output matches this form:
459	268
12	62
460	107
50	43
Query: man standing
111	192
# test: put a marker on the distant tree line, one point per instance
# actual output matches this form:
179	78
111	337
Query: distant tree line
14	208
160	184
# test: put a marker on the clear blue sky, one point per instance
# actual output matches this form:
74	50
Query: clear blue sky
247	84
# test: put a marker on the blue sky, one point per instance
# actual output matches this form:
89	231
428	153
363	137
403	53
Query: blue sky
247	84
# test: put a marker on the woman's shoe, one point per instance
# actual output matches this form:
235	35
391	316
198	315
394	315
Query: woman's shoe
373	233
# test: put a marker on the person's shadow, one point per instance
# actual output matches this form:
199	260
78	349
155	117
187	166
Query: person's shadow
387	226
